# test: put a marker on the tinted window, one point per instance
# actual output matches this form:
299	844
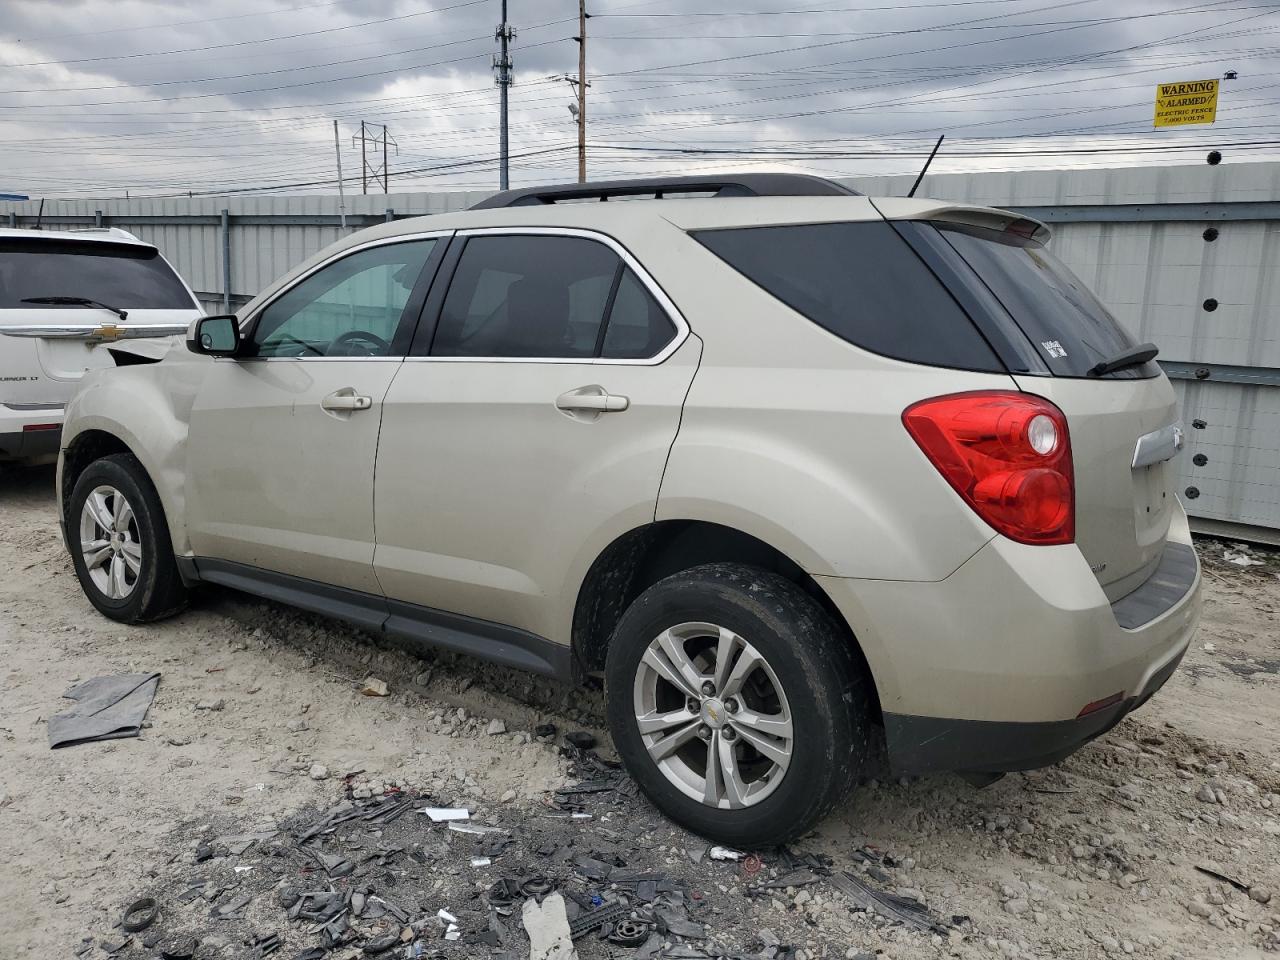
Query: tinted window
526	296
1065	322
861	282
351	308
638	327
123	275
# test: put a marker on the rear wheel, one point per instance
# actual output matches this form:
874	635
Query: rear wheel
736	704
120	542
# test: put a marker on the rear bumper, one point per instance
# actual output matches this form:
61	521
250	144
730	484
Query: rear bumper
30	431
931	744
991	668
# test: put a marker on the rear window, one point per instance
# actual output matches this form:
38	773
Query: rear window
123	275
863	283
1068	326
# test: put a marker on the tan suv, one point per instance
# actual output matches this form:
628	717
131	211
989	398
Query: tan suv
797	472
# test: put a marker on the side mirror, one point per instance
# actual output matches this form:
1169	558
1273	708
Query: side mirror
215	336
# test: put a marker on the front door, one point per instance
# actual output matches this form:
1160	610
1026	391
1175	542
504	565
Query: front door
530	430
282	440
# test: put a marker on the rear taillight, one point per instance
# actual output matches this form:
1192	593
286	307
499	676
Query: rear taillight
1008	455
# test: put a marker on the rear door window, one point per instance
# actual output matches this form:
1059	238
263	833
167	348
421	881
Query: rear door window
548	297
126	275
863	283
1065	322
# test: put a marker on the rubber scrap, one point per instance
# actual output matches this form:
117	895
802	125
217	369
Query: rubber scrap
140	914
908	912
547	925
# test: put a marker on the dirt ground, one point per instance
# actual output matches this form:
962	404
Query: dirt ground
1094	857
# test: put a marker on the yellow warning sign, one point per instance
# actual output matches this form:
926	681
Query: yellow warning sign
1179	104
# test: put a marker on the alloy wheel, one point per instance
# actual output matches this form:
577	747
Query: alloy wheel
109	542
713	715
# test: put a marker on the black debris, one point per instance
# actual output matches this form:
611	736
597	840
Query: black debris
179	948
580	739
912	913
139	915
605	916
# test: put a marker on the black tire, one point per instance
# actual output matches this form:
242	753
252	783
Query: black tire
158	590
823	683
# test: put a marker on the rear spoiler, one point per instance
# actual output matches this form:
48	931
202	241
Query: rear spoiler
96	332
1002	221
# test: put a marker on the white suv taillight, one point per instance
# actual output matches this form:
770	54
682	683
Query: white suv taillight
1007	454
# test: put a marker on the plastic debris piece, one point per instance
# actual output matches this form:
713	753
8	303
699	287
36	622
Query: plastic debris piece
605	916
548	927
382	944
473	828
724	853
445	814
481	861
909	912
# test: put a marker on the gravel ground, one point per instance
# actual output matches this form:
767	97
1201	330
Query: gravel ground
260	728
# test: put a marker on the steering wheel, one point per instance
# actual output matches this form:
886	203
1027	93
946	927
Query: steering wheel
357	336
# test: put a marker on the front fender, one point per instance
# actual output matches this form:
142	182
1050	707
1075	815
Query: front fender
148	409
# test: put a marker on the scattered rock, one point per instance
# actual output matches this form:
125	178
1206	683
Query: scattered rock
1260	894
296	726
373	687
318	771
1206	795
1017	906
211	704
497	727
1198	908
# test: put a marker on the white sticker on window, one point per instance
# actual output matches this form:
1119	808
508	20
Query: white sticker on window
1053	348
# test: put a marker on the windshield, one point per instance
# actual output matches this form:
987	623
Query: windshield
129	276
1069	327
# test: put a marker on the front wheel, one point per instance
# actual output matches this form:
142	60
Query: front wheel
120	542
736	704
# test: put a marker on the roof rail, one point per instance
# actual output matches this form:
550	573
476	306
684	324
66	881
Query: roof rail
724	185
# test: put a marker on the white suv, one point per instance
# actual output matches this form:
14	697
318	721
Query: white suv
67	300
793	470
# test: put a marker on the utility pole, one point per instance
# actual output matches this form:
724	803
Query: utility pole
366	137
342	197
502	64
582	90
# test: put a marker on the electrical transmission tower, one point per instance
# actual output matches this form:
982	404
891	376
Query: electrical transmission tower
370	168
502	67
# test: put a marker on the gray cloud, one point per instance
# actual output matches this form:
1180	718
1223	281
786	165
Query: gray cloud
100	96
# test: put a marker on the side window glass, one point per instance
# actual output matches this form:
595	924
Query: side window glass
526	296
638	326
351	308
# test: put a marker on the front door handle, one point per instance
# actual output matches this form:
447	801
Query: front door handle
346	400
592	399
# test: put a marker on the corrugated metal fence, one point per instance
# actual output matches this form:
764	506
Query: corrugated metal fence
1186	256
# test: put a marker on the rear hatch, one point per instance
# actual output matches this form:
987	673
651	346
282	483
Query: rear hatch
1052	333
131	276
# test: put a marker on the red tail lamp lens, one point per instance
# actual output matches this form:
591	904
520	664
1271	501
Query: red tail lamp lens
1007	454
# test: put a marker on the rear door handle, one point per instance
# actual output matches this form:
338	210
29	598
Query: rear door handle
592	399
346	399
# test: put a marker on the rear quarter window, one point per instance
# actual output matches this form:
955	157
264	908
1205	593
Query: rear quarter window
1067	325
131	276
863	283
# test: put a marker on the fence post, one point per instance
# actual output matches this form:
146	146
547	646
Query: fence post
13	218
226	261
389	215
97	218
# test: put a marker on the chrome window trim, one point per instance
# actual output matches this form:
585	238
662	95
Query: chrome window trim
668	306
342	254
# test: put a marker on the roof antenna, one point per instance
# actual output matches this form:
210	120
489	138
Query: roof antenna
925	169
39	214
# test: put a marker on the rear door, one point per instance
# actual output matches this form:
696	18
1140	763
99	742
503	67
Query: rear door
1125	496
132	276
530	426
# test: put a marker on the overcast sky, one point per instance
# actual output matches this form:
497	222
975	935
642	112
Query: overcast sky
102	96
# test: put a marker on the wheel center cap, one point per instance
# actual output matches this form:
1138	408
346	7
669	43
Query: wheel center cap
713	713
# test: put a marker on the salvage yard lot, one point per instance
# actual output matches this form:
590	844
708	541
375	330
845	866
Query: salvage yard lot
260	715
